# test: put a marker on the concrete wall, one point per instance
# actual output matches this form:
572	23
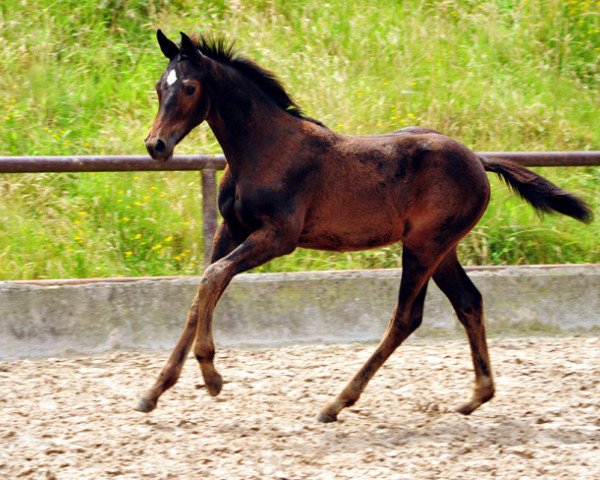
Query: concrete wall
50	318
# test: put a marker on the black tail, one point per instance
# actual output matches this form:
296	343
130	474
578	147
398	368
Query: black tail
543	195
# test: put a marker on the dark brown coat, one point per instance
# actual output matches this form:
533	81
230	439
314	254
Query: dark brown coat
292	182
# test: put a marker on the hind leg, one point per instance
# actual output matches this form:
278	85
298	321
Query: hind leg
467	302
405	320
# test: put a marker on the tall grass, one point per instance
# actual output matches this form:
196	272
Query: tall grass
76	77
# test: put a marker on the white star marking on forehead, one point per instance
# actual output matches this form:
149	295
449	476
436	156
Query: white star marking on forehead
171	78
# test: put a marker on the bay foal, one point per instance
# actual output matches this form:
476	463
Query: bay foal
292	182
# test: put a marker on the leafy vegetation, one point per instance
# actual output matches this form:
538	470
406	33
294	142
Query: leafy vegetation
77	77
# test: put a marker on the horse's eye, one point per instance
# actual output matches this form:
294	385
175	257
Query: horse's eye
190	90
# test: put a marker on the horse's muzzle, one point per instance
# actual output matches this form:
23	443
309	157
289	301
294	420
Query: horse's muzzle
159	149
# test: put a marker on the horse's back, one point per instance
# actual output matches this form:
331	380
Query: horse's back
414	158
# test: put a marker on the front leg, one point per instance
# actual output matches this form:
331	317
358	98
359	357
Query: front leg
259	247
204	348
224	243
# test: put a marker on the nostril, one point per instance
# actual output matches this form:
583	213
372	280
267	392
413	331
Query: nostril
159	146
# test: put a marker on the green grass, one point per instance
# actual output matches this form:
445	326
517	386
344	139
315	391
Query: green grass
77	77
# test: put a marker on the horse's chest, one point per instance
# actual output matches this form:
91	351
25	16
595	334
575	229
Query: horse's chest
251	207
246	210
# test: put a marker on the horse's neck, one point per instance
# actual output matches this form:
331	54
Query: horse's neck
244	121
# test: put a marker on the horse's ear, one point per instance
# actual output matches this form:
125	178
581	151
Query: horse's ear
188	48
169	48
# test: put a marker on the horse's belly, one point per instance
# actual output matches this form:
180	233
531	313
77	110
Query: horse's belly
352	233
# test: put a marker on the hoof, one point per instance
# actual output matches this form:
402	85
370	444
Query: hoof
327	417
145	405
482	396
468	408
215	385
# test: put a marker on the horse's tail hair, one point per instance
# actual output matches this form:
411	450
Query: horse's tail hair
540	193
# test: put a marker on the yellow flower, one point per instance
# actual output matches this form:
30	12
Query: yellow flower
128	254
169	239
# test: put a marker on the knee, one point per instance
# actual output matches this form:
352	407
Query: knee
213	276
212	272
415	321
416	316
407	325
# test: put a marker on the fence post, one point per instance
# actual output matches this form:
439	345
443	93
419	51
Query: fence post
209	210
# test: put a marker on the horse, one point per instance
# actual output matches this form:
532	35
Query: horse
292	182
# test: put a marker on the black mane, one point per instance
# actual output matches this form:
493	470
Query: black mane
218	49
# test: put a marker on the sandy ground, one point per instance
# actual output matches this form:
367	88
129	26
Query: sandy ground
72	418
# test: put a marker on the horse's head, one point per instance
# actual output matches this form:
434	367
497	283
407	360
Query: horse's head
182	103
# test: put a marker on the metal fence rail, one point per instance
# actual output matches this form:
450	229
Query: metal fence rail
142	163
208	164
109	163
